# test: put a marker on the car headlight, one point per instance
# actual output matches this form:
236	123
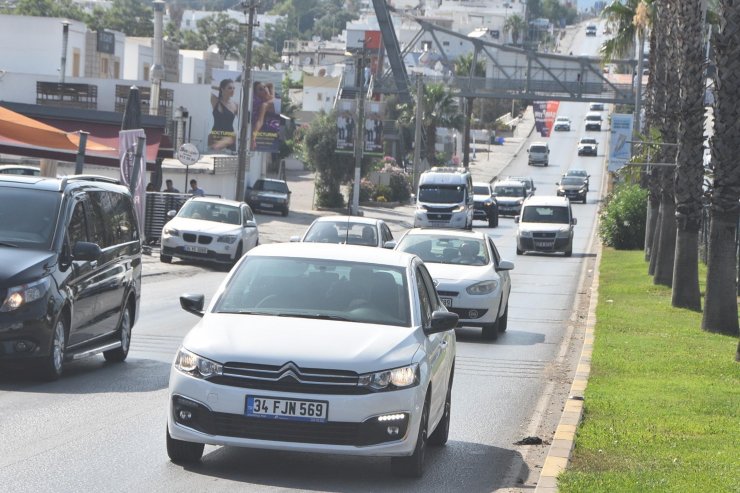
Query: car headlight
459	208
564	233
171	231
398	378
196	366
227	239
483	287
520	202
25	293
525	234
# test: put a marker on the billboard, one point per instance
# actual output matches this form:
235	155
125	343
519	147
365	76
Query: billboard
225	98
374	112
128	140
266	119
544	116
346	126
620	145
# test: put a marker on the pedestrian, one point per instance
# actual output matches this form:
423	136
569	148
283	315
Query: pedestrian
150	187
169	188
195	191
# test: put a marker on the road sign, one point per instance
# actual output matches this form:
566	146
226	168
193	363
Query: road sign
188	154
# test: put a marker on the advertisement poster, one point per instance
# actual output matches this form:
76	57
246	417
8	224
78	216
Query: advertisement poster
620	145
346	126
544	116
374	113
225	103
266	119
127	142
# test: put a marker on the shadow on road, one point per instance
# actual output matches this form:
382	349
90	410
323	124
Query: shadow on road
509	338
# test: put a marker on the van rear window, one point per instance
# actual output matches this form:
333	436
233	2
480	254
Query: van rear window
545	214
538	149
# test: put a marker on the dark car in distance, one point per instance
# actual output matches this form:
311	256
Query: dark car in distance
573	187
70	276
486	207
269	194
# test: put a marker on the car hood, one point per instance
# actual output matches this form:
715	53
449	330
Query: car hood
481	198
201	226
508	200
586	144
22	265
308	343
572	187
458	274
263	194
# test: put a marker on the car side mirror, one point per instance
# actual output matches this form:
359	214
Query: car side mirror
84	250
295	239
390	244
574	221
527	151
505	265
193	303
171	213
442	321
250	224
557	183
516	219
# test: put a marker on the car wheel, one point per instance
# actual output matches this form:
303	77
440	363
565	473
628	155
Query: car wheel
167	259
490	331
53	364
503	320
120	353
569	251
584	199
545	165
412	466
285	212
182	452
442	432
518	251
237	255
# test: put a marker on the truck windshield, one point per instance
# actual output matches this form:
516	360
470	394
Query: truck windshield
442	194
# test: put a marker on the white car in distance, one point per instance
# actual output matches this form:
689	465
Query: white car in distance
312	347
209	229
350	230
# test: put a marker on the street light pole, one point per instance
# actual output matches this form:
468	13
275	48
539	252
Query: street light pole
243	155
360	131
419	114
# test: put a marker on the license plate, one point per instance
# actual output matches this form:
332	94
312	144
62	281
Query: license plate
544	244
196	249
265	204
438	223
286	409
446	302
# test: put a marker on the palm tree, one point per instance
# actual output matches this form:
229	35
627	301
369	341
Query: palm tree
620	19
720	310
516	26
689	159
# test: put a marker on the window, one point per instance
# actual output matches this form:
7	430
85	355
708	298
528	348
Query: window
77	229
104	67
425	303
319	97
76	62
100	219
116	69
146	71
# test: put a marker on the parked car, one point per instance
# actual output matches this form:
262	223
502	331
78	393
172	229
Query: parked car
588	147
593	121
350	230
528	183
471	278
581	173
335	349
486	207
545	225
562	123
19	169
596	107
510	195
573	187
210	229
268	194
70	275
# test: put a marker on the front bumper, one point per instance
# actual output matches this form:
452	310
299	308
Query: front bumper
572	194
214	252
432	219
587	151
26	333
546	245
218	417
509	209
472	310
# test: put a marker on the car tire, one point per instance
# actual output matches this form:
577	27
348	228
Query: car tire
584	199
503	320
53	365
119	354
518	251
238	254
167	259
569	251
284	212
441	433
489	332
412	466
182	452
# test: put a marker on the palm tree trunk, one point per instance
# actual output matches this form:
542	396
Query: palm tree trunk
653	208
690	157
720	311
666	238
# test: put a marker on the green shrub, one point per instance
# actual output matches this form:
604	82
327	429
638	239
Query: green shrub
400	187
623	218
329	198
367	190
383	191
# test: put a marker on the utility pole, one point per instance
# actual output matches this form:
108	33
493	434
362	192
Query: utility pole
243	154
157	73
360	131
417	129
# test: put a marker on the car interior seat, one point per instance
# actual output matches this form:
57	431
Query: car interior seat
368	236
232	217
384	294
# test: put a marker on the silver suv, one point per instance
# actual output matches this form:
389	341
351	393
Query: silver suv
545	225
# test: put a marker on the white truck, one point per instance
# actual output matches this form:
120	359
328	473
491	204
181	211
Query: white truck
445	199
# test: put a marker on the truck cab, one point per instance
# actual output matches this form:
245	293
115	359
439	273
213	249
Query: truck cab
445	199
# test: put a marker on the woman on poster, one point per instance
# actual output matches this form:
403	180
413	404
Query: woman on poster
225	110
265	108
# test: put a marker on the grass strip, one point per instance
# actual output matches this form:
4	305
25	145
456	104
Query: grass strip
662	406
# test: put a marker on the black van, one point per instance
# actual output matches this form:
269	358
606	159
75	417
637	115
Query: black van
70	270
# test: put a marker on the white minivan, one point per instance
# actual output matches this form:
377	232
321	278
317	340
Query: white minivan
539	153
545	224
445	199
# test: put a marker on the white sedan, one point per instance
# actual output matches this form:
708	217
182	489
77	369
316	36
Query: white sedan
311	347
351	230
471	278
211	229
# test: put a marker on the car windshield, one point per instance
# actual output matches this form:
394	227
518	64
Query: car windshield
593	117
572	180
446	249
210	211
34	228
20	171
538	149
588	141
508	191
481	190
562	119
545	214
318	288
576	172
442	194
351	233
271	186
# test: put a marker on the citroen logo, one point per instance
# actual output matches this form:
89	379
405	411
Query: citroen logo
435	282
289	370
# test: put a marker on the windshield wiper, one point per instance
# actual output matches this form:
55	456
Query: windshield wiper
319	316
3	243
245	312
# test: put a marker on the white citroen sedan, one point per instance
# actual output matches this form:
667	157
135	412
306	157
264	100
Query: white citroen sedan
312	347
210	229
471	278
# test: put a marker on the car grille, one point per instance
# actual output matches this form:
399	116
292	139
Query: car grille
335	433
289	378
200	239
447	293
439	213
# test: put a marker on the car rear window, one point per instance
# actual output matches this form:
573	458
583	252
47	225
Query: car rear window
538	149
545	214
593	118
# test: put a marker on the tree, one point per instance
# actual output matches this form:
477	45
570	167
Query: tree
263	54
620	20
464	63
689	159
516	26
131	17
49	8
720	308
222	31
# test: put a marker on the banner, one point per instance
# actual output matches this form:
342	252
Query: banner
346	126
266	119
374	113
127	142
544	116
620	147
225	104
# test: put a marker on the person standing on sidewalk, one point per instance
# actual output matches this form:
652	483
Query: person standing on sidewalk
195	191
